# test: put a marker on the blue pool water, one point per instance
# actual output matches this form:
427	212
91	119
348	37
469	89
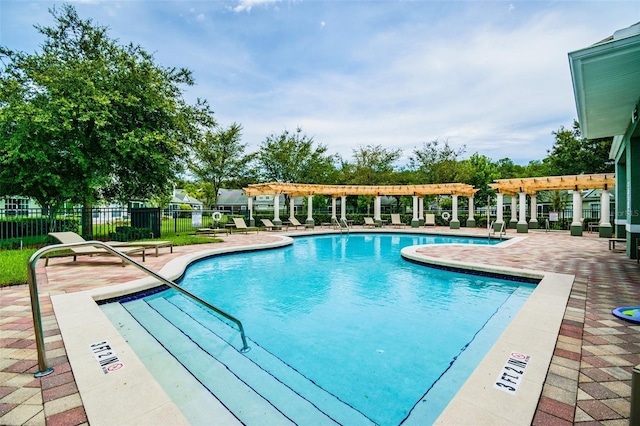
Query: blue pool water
378	332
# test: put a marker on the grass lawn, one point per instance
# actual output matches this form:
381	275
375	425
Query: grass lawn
13	263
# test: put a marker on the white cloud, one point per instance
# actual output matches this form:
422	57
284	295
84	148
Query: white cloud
480	74
247	5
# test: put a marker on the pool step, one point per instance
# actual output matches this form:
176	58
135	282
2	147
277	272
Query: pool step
336	409
250	392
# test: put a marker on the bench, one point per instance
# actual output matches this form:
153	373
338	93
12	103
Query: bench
613	241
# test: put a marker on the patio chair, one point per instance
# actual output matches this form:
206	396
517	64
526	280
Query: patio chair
295	222
242	225
429	219
369	222
395	220
72	237
269	225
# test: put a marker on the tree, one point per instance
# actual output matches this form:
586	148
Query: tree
437	162
294	158
481	172
572	154
373	165
219	161
88	119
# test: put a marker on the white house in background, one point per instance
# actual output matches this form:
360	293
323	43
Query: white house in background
235	201
18	206
180	198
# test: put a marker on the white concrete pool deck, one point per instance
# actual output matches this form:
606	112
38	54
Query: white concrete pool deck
131	395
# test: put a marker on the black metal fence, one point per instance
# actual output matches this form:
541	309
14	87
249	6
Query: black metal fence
29	227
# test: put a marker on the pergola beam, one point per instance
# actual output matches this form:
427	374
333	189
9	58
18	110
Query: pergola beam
299	189
554	183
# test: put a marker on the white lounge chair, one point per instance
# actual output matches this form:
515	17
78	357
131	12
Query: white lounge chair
368	221
242	225
72	237
295	223
429	219
395	220
269	225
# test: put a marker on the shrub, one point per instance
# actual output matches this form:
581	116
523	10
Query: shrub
128	233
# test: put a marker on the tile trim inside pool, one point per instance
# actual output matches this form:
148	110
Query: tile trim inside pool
139	398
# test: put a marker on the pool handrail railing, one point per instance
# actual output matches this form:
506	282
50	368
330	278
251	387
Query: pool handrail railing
43	369
343	224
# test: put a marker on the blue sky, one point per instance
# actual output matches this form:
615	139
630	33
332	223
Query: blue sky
493	76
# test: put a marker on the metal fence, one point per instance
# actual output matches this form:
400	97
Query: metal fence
31	226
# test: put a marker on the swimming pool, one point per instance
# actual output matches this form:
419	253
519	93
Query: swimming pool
359	333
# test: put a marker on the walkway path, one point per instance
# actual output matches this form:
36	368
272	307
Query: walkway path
589	381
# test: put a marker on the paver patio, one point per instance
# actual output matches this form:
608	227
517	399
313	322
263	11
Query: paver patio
588	382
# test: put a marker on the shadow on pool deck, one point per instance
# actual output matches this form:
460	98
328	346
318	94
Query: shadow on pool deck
589	379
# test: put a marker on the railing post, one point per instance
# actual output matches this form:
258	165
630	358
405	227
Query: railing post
43	370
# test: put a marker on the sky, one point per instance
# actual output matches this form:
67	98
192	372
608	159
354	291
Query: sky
490	76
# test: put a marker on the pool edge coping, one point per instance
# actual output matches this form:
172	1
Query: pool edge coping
527	333
81	320
133	390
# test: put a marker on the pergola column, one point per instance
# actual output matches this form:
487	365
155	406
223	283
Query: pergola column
292	207
576	224
310	222
471	220
252	222
343	208
334	216
522	216
376	210
533	222
513	223
415	222
455	223
604	227
276	210
497	225
421	210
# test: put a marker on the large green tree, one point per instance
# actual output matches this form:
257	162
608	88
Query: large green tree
438	162
373	165
218	161
481	171
87	118
294	157
572	154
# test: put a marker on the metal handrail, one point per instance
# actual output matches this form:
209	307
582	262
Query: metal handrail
346	225
35	303
502	229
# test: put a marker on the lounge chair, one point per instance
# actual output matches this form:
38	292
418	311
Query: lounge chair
368	221
147	244
395	220
429	219
269	225
295	222
242	225
72	237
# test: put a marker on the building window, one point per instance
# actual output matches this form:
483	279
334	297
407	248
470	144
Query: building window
16	206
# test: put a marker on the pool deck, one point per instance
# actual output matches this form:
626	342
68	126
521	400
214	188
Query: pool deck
588	382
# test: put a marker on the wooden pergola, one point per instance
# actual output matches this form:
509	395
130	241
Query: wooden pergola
304	189
554	183
575	183
335	191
